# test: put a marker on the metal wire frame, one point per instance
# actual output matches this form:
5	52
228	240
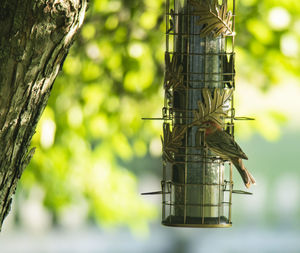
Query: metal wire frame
180	206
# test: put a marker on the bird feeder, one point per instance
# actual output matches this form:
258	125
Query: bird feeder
197	184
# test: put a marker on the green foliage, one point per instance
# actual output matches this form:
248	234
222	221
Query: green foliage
267	60
262	27
112	78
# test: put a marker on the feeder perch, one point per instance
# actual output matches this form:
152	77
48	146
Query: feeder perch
197	184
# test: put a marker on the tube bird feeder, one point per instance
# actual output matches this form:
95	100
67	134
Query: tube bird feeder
199	79
197	184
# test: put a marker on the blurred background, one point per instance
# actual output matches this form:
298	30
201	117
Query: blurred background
94	156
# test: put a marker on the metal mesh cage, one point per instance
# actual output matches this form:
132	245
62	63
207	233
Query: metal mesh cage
197	184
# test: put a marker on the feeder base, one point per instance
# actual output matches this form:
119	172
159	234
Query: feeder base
197	222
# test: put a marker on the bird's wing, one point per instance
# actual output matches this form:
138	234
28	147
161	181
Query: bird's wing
222	143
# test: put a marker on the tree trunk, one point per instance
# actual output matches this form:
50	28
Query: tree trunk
34	40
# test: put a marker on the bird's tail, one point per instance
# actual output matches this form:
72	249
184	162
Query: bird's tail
245	174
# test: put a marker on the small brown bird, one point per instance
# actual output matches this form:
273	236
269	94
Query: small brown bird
221	143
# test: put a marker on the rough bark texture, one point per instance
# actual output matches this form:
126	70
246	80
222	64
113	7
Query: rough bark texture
35	36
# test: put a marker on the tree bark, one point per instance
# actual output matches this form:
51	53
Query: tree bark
35	36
